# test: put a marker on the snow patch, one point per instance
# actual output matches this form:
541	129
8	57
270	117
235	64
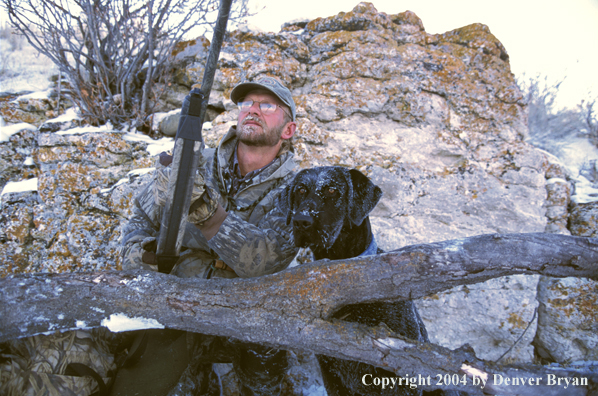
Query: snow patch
124	180
154	147
87	129
455	246
140	171
8	130
391	343
69	115
121	322
556	180
474	372
35	95
584	191
28	162
80	324
20	186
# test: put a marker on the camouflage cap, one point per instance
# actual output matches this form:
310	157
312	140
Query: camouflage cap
268	83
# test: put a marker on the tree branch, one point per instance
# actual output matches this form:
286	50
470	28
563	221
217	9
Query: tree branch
289	309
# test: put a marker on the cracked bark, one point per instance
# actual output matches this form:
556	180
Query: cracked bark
289	309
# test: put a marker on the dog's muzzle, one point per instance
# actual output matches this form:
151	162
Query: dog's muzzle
302	221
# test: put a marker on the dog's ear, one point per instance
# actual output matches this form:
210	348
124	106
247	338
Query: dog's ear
284	203
365	196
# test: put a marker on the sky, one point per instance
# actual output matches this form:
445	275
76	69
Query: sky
553	38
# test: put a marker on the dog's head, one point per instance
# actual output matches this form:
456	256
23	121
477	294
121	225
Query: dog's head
319	201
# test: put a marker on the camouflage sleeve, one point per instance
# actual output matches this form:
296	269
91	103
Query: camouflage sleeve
144	223
141	225
254	250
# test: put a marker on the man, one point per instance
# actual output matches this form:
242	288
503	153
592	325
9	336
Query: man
234	227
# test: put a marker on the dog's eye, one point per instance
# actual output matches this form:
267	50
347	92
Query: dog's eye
302	190
331	191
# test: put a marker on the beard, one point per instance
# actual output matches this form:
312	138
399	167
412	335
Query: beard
259	136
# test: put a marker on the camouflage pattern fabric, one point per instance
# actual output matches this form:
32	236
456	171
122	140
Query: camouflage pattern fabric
37	366
254	239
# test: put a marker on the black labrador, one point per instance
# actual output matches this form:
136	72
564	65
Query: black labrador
329	208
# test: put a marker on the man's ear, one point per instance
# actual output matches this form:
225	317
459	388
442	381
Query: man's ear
365	196
289	130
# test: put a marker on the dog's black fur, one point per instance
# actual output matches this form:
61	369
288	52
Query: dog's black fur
329	209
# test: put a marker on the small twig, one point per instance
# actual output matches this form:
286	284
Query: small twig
520	337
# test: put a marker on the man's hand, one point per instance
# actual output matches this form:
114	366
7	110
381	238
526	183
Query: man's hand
210	227
149	246
204	201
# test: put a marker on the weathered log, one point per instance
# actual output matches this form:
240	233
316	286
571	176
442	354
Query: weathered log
289	309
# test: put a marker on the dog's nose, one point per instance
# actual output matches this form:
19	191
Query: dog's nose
302	220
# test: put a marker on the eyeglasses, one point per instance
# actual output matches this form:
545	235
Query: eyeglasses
265	107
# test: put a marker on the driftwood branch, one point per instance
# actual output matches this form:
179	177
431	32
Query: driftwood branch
289	309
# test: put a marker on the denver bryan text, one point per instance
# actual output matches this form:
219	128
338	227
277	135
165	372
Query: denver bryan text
550	380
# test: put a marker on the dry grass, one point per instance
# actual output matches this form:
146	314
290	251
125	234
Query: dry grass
22	68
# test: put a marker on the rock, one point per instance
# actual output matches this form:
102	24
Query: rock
72	222
568	325
32	108
508	303
584	220
166	123
16	156
191	49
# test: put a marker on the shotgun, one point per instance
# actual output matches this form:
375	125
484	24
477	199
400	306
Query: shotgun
188	150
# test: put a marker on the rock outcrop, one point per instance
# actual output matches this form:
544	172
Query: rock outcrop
437	121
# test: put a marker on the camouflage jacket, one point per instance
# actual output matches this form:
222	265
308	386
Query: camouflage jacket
254	239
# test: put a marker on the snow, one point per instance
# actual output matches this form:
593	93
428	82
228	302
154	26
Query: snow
35	95
154	147
6	131
585	191
87	129
70	114
127	179
121	322
472	371
573	154
391	343
80	324
577	151
20	186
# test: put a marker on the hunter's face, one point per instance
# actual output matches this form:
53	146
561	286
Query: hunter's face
256	126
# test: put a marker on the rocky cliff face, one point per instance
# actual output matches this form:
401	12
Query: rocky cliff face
436	121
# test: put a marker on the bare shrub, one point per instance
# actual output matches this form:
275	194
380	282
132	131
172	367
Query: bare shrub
112	51
9	43
14	40
549	127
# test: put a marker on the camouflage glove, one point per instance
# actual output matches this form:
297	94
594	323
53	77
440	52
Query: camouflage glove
149	246
203	198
